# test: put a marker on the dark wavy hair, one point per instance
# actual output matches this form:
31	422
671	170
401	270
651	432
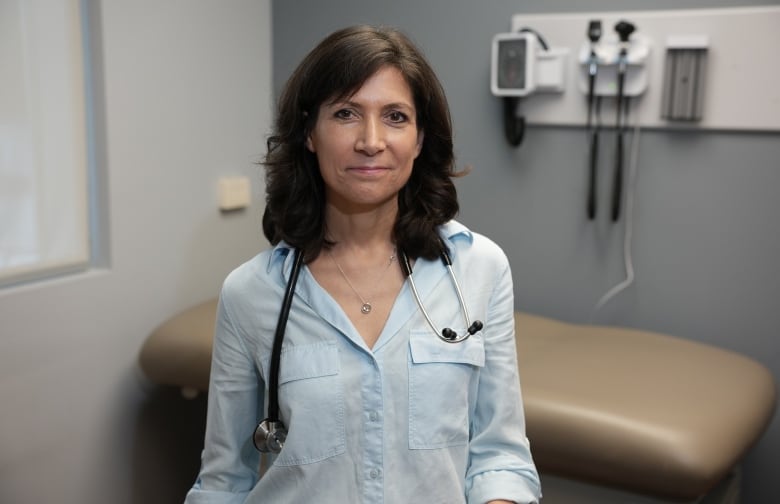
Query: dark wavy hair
334	70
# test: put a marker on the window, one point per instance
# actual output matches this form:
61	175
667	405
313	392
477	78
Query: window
44	214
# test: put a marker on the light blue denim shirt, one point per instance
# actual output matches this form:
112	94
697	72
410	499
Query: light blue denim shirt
413	419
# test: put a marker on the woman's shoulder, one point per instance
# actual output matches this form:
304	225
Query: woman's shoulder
471	245
250	275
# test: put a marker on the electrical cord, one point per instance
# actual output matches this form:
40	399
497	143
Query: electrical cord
542	41
629	226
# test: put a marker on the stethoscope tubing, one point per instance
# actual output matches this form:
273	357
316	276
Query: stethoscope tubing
271	433
447	335
281	325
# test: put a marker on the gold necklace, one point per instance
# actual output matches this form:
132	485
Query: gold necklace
365	307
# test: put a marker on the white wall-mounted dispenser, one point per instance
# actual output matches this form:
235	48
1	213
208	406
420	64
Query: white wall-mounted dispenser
685	72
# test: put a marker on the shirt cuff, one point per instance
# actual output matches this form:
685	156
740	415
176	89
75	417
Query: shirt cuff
198	496
502	485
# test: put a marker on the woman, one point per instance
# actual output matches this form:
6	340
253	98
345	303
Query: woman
376	405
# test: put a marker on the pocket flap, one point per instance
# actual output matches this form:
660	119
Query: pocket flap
426	347
308	361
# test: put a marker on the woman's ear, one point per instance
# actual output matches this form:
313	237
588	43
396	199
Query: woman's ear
310	144
420	138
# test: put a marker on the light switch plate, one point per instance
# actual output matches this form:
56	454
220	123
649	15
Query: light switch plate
234	193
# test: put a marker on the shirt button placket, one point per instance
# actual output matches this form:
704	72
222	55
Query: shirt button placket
373	431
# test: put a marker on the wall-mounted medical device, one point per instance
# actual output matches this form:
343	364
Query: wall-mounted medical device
725	82
522	64
685	73
611	66
594	35
618	53
511	67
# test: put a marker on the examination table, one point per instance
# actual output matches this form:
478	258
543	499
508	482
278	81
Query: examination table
638	411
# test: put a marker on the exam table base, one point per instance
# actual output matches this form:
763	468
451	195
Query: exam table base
558	490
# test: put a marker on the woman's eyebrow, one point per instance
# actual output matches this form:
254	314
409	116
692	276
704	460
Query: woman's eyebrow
352	103
402	105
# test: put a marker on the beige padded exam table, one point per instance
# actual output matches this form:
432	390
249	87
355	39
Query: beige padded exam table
619	408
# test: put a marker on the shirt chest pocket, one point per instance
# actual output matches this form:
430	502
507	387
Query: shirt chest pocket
441	378
311	403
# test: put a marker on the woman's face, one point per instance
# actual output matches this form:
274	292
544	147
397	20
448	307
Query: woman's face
366	143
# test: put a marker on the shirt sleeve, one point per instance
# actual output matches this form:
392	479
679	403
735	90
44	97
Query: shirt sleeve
229	463
501	466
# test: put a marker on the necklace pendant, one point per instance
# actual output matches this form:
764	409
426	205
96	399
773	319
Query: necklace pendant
366	308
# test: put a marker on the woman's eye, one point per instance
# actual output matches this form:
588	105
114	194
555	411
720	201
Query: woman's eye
397	117
344	114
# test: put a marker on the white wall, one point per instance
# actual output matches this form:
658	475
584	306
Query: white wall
183	97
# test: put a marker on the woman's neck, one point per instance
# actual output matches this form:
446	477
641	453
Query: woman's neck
369	230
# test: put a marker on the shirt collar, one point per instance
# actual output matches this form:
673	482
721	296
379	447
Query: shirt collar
279	254
454	229
450	231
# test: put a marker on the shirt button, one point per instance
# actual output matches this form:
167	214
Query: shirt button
373	416
374	473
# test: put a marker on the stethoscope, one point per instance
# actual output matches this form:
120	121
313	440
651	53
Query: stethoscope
270	434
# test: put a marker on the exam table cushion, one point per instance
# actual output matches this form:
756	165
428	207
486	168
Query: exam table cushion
625	408
636	409
178	352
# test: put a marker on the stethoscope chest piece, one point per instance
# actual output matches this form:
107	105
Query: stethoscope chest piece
269	436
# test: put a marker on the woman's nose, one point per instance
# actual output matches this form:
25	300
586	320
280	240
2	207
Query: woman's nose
371	139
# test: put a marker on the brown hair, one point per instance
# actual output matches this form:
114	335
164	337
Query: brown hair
336	68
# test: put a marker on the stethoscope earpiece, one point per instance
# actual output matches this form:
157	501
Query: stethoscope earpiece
448	334
451	336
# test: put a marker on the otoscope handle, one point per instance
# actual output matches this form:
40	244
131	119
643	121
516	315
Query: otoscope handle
617	189
619	127
594	152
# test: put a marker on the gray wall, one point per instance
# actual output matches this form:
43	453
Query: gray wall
706	244
183	96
